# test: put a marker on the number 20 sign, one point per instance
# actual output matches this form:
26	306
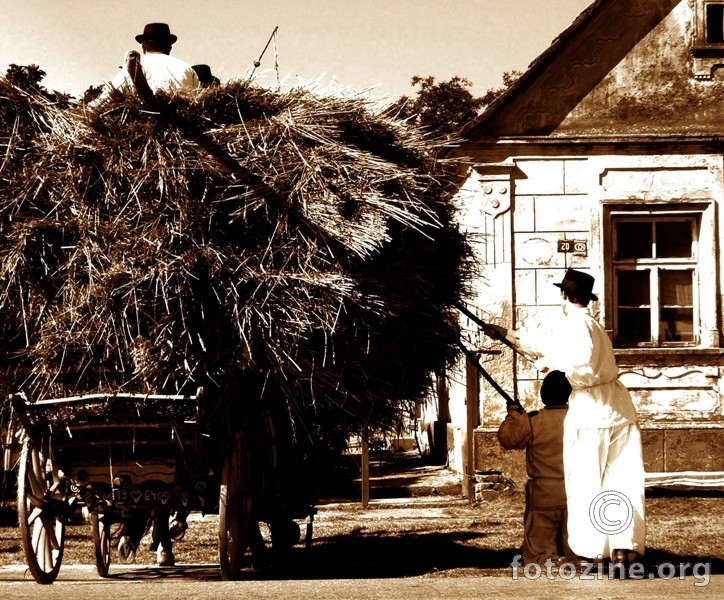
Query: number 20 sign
575	246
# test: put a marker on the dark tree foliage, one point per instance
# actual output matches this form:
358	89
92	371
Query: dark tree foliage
27	78
91	93
439	107
509	78
443	108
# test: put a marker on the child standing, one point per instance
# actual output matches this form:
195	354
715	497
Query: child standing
541	434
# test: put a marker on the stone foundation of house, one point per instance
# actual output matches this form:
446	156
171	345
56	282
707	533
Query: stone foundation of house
694	451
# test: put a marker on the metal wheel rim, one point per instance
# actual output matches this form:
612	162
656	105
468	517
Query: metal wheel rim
102	543
234	510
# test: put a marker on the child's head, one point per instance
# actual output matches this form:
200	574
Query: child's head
555	389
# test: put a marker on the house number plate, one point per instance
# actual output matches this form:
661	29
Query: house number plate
576	246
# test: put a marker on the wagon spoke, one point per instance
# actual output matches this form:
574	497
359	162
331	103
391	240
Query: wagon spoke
37	485
37	512
34	500
37	535
49	525
48	547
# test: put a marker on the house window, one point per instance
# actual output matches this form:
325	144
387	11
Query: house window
707	47
655	270
714	23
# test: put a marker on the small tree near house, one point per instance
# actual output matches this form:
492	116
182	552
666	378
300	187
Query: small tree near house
439	107
444	107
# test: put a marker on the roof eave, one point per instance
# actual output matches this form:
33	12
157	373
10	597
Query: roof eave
538	65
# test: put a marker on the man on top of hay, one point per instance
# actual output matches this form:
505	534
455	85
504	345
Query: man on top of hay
161	70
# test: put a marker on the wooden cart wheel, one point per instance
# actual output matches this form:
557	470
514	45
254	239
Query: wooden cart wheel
101	533
42	512
235	506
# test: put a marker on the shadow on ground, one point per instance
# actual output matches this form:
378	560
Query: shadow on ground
362	554
359	557
379	557
405	555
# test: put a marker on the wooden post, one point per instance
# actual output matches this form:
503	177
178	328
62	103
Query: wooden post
365	470
472	401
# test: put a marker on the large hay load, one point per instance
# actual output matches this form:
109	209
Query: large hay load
246	240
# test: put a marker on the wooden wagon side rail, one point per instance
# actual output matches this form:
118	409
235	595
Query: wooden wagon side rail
24	409
85	398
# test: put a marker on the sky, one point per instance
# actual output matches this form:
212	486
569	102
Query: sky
371	45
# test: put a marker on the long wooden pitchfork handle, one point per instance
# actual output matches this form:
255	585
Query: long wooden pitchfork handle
476	363
493	332
138	77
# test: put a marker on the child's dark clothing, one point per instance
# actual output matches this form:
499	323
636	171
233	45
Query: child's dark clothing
541	434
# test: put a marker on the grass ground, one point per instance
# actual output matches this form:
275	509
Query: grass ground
442	536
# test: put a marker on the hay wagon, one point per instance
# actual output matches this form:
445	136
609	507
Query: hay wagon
298	243
132	462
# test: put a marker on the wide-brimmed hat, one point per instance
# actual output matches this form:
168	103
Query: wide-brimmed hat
579	284
157	31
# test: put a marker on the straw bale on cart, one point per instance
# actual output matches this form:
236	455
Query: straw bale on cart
241	239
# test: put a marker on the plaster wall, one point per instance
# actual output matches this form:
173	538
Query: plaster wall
554	198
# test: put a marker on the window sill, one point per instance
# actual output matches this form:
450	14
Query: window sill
708	51
669	356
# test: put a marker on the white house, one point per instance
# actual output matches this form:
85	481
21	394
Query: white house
607	155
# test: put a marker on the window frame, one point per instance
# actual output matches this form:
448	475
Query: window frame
701	41
706	55
706	25
703	260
